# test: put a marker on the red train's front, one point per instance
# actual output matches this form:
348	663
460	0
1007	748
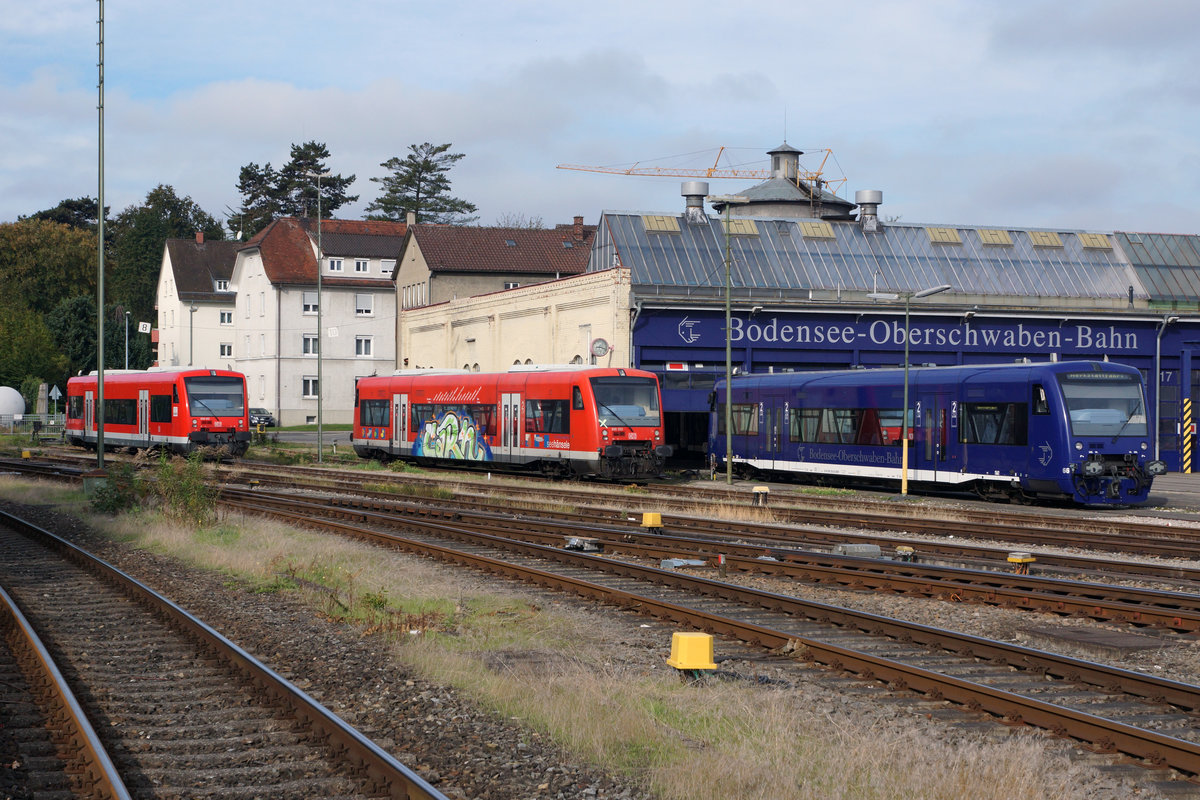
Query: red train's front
629	430
217	414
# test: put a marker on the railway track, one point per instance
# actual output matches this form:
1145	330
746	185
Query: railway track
182	711
1111	709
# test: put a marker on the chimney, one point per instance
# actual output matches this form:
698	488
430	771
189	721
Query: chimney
694	193
578	229
868	201
199	237
410	218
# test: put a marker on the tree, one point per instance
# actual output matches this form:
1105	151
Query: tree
72	326
517	220
289	192
27	349
297	184
139	234
419	183
43	262
256	185
81	213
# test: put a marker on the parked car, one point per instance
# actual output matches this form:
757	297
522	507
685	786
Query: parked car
260	416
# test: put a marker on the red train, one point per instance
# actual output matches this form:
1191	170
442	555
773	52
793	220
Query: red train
560	421
180	410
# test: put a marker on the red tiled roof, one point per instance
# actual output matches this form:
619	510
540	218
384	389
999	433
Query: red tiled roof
288	245
562	250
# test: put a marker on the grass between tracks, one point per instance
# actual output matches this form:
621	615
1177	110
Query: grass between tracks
582	678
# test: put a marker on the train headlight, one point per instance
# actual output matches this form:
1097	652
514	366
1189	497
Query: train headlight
1079	445
1143	445
1093	469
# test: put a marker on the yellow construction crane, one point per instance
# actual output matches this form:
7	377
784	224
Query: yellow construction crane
715	171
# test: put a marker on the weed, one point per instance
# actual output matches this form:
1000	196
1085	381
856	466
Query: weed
184	491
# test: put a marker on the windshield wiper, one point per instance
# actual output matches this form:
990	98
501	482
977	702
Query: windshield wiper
1128	420
615	414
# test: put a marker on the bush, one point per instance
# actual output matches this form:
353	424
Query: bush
123	490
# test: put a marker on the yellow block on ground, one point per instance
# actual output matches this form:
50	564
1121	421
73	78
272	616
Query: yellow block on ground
691	651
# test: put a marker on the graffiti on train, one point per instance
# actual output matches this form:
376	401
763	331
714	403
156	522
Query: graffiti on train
452	435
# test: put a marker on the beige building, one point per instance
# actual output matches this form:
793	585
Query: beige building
583	319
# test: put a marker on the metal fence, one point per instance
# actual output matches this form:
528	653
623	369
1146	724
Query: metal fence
45	425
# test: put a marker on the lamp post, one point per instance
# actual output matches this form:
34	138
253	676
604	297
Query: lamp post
908	297
320	311
192	333
728	200
126	340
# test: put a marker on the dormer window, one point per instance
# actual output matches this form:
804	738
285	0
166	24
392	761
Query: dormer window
222	286
335	265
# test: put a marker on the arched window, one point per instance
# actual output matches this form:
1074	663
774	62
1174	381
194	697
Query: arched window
577	360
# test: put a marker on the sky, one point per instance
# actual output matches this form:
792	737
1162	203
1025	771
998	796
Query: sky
1025	113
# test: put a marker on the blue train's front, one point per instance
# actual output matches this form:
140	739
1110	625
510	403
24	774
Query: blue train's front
1108	436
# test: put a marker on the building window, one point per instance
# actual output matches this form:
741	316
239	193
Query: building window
226	349
387	266
222	286
226	317
309	347
511	284
360	265
364	305
309	383
363	346
262	304
310	302
335	265
262	344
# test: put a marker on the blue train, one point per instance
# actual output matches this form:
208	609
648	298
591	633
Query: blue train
1072	430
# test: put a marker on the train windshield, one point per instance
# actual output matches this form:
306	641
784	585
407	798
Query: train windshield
1104	404
216	396
622	400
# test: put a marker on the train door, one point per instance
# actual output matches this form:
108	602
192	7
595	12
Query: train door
771	436
143	416
89	414
510	425
400	421
936	425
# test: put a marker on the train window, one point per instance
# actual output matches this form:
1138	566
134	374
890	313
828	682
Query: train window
994	423
626	400
1040	404
421	413
802	427
374	413
120	412
576	398
1104	404
160	408
485	419
219	396
547	416
75	406
745	418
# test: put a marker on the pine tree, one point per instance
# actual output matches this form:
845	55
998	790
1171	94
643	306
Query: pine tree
419	183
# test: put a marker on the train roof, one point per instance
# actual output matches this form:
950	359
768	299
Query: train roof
895	374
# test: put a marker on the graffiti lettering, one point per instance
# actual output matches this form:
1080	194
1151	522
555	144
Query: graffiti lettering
452	435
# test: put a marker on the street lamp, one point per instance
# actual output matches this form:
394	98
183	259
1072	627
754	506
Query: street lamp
320	310
728	200
192	333
908	297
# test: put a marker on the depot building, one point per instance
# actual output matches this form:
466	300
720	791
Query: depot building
812	281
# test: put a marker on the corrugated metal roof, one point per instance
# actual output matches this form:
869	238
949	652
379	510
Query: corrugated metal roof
1167	264
899	257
